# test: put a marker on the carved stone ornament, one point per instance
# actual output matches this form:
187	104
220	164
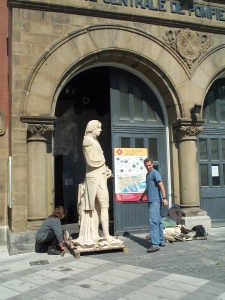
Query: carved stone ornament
38	130
186	132
188	44
2	123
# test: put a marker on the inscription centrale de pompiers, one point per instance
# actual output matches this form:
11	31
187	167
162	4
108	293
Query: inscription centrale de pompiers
175	7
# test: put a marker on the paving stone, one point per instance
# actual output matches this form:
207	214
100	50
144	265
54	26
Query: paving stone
52	274
134	269
19	285
199	296
29	295
57	296
141	296
122	274
95	285
221	297
210	289
47	288
162	292
126	288
174	285
37	279
80	292
112	295
109	279
186	279
7	293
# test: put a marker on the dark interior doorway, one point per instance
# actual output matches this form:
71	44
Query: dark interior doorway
85	97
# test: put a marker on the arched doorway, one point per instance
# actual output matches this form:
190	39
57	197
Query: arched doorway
211	153
131	117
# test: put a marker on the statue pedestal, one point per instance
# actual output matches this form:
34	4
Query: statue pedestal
76	251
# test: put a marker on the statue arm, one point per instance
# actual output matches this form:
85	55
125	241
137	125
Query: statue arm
91	158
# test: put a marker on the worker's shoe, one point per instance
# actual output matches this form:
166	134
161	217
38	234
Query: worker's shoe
152	249
53	251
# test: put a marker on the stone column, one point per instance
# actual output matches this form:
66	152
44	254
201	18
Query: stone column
185	135
37	207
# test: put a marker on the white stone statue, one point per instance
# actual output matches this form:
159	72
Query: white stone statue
93	195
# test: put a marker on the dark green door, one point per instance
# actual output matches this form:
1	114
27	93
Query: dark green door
211	154
137	122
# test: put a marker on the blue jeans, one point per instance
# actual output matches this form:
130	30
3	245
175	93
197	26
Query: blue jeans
156	227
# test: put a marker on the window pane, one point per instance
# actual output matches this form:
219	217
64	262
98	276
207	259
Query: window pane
215	175
223	149
221	91
223	174
138	114
204	175
124	100
202	149
152	146
222	110
125	143
212	107
214	149
150	112
139	143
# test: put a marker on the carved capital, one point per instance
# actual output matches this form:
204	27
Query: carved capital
38	131
185	129
186	132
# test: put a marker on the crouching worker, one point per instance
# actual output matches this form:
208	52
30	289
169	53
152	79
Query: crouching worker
50	234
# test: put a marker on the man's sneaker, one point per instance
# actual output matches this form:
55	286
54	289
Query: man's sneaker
152	249
53	251
161	245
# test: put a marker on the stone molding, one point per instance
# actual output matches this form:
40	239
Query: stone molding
2	123
187	130
109	14
188	44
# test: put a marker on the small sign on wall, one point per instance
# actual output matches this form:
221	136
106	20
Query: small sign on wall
215	171
69	181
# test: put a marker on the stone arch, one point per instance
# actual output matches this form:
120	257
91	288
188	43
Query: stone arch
210	68
100	43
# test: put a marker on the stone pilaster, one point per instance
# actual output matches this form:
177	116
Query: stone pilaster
185	135
37	136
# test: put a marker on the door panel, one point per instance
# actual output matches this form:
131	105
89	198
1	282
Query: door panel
137	121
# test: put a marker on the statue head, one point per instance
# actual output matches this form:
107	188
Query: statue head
91	126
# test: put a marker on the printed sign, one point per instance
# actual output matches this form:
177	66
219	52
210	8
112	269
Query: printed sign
130	173
215	171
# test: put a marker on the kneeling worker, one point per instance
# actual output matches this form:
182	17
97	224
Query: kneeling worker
50	232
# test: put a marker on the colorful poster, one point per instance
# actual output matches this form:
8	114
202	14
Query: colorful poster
130	173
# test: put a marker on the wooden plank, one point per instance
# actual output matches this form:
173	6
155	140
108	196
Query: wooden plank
76	253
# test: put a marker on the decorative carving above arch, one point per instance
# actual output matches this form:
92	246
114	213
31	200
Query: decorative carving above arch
189	44
2	123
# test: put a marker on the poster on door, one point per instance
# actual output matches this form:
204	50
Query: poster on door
130	173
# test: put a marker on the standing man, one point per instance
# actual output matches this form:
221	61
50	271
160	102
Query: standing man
156	195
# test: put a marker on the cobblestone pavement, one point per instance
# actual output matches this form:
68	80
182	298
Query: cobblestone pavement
183	270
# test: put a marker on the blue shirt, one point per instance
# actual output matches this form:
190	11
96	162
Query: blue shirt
152	188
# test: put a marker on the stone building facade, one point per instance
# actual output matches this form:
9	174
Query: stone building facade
177	50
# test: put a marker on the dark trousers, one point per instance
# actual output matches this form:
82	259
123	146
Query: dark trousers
51	240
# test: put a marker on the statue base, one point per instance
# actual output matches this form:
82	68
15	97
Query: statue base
76	250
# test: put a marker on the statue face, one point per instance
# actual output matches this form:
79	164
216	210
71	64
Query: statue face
97	131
